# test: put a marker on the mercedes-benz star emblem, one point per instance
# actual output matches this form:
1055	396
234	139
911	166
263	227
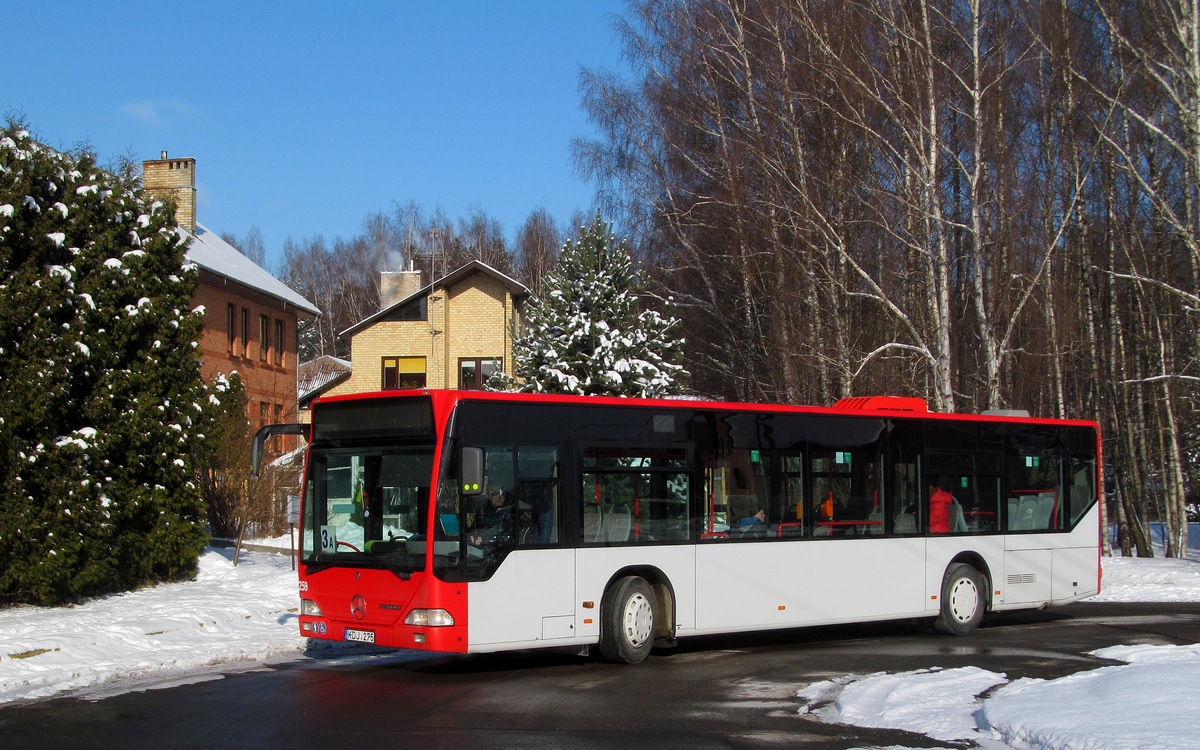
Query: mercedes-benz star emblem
358	607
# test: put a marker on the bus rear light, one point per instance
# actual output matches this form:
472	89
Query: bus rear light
429	618
310	608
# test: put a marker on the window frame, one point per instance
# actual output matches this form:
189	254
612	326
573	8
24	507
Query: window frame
399	381
279	342
264	337
480	382
245	332
231	327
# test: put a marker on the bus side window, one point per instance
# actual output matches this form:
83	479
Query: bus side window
1081	486
847	495
906	501
536	494
635	495
736	501
1034	488
788	496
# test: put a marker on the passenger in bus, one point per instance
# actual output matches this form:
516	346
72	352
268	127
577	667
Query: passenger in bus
539	498
939	510
494	519
758	518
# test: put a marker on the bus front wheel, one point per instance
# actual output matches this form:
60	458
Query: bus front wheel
964	599
627	622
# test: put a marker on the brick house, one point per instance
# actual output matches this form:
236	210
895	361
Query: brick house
453	333
250	317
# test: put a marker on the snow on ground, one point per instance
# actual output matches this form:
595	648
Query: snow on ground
236	618
228	615
1152	702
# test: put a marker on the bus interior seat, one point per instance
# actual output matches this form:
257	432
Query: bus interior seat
957	521
448	523
1026	507
906	523
618	524
591	523
1043	510
874	521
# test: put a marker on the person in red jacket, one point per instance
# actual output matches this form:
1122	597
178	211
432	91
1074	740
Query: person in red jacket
939	510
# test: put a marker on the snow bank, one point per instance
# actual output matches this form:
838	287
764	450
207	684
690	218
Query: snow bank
227	615
1158	579
939	703
1152	702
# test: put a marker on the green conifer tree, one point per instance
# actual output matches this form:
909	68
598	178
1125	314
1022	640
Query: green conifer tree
591	332
100	392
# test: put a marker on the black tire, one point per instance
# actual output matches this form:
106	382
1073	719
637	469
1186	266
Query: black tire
964	600
628	621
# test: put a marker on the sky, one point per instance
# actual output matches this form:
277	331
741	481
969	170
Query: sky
235	618
303	120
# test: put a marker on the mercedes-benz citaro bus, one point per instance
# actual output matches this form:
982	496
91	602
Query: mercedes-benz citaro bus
468	522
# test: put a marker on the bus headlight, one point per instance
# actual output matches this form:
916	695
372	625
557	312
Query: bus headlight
429	618
310	608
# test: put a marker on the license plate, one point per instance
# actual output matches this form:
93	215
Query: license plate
362	636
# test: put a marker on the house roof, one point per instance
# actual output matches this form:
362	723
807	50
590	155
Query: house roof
515	288
316	376
217	256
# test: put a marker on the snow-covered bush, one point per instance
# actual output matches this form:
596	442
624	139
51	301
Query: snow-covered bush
591	332
100	391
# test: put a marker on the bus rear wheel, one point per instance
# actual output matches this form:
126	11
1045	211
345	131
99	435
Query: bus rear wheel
964	599
627	621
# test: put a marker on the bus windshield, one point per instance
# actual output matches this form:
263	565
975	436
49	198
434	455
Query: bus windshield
365	506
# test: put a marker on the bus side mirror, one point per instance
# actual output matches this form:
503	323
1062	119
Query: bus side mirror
471	471
266	433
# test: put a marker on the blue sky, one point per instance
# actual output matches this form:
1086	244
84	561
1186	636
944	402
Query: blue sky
304	118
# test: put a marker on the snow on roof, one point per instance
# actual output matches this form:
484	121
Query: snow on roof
217	256
318	374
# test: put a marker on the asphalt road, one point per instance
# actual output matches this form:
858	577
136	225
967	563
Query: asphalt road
736	691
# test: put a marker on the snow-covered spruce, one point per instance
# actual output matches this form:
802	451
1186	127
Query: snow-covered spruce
593	332
98	364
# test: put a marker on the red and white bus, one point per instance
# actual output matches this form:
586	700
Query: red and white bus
461	521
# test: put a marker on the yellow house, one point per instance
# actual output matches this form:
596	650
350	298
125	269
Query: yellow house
453	333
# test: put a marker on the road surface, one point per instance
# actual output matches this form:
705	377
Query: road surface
718	692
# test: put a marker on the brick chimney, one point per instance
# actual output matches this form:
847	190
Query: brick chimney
173	178
397	285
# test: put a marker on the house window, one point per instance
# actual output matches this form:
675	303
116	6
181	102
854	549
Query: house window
264	337
231	325
278	342
403	372
415	310
473	374
245	332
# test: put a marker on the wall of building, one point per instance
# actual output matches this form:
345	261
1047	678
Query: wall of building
270	382
472	319
478	322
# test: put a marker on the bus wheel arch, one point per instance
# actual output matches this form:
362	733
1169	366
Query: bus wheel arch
965	595
637	611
